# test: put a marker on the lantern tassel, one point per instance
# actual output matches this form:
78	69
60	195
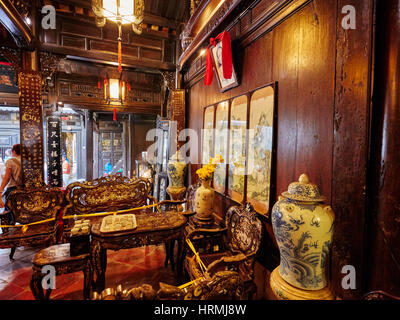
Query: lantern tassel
119	57
115	114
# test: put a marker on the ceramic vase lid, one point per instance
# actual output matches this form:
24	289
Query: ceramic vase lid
303	190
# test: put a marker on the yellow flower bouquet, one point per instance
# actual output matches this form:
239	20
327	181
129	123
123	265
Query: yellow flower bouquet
206	172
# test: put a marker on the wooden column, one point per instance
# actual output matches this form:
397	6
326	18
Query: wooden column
31	126
383	248
89	144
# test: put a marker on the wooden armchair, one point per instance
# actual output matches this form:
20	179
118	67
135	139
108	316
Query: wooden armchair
30	206
111	193
243	235
224	285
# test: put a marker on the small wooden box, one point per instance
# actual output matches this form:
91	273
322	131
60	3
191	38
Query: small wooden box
79	244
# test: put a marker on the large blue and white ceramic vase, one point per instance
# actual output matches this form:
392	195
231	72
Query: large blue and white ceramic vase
303	228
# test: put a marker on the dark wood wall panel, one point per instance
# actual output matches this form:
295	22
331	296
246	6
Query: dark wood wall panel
351	123
316	69
75	42
319	85
383	256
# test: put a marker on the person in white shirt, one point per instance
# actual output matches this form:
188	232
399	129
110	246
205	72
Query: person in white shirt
12	179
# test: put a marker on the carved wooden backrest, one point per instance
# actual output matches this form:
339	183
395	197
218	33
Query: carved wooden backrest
31	205
244	229
107	194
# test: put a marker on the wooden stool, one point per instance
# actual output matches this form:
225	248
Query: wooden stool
58	257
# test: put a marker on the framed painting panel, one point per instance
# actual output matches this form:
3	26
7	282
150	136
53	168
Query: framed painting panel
237	148
260	144
224	84
208	135
221	144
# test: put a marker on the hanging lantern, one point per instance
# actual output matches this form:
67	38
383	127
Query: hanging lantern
121	12
114	93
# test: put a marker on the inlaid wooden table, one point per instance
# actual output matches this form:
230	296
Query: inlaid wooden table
152	228
58	256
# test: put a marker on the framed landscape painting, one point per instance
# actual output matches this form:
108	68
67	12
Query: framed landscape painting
237	149
221	144
261	125
208	136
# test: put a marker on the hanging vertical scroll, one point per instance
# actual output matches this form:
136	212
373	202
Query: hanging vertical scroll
31	126
178	108
54	165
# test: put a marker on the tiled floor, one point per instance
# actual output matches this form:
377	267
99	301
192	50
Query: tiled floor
129	267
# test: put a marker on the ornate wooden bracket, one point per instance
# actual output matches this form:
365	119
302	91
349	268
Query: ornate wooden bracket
169	78
49	65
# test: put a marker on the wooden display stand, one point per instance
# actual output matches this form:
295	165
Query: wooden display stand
285	291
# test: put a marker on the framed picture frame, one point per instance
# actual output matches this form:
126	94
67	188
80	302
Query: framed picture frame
224	84
260	148
221	144
237	148
208	134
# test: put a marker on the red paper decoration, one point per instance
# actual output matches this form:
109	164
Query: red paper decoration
225	38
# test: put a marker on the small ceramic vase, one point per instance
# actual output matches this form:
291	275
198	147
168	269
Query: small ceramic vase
204	201
303	228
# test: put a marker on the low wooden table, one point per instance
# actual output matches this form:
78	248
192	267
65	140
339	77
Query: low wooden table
152	228
59	257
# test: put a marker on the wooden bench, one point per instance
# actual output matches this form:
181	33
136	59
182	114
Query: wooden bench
105	194
28	206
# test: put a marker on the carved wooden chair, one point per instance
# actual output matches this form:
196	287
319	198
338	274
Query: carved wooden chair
30	206
243	235
224	285
111	193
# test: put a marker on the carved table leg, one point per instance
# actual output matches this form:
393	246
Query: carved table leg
167	245
180	257
11	256
36	285
87	280
170	253
99	256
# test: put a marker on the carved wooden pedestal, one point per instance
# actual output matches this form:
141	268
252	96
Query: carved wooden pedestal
285	291
58	256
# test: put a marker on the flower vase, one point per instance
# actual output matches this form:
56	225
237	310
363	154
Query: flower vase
204	204
303	228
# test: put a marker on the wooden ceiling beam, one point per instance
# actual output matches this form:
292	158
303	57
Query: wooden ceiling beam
107	58
132	108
